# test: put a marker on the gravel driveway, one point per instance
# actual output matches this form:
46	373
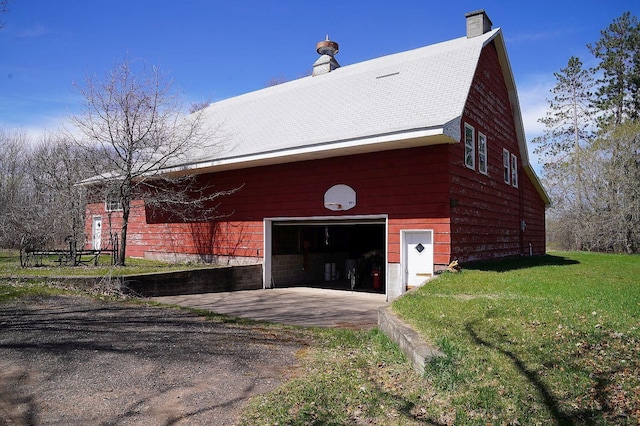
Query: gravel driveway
77	361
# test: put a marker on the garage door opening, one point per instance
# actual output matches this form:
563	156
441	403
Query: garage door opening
343	255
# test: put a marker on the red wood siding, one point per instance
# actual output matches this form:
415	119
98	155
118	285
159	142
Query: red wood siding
408	185
486	219
533	214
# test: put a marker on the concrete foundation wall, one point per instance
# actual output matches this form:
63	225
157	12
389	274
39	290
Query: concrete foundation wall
394	284
197	281
417	351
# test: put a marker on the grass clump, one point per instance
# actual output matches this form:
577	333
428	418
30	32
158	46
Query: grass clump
14	289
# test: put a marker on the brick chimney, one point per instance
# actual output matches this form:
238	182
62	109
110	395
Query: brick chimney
478	23
326	62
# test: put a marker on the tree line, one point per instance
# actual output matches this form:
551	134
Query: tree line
131	140
40	202
591	146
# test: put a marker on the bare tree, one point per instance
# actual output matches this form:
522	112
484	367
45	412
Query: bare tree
197	106
274	81
16	193
619	213
56	165
3	8
135	117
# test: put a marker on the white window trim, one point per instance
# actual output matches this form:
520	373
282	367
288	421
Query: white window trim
482	152
470	148
514	170
112	204
506	166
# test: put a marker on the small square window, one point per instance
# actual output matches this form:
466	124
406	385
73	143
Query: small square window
506	165
514	170
469	147
482	153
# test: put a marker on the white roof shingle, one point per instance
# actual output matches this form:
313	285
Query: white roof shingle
417	93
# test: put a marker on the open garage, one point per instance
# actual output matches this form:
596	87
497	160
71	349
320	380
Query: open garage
333	253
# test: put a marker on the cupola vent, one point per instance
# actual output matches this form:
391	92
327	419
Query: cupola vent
327	49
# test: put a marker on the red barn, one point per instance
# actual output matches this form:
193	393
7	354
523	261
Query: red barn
375	175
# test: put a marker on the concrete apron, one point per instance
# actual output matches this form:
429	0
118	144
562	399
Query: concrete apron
312	307
303	306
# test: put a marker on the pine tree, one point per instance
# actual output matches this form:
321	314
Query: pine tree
619	53
566	142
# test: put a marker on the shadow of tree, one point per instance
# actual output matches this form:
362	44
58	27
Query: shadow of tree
16	405
85	349
548	398
513	264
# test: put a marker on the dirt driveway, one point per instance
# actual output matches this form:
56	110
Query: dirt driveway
76	361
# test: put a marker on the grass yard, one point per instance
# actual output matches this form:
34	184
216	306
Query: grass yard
10	267
534	341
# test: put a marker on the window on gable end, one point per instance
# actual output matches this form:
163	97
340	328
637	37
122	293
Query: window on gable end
514	170
506	165
113	202
482	153
469	147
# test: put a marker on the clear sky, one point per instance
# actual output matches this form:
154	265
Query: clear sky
216	49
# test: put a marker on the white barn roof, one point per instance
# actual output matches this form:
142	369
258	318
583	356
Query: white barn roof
406	99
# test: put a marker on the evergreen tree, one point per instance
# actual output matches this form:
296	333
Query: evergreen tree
566	143
619	53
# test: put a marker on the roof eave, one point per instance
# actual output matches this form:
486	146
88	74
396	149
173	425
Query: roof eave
449	133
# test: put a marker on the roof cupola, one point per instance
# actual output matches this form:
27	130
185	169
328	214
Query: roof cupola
327	49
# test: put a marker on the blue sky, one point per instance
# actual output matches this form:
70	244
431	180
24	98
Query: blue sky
218	49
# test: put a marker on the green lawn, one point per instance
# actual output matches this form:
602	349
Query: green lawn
10	267
534	341
547	340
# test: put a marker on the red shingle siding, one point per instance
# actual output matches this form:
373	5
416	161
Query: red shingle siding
409	185
534	219
486	219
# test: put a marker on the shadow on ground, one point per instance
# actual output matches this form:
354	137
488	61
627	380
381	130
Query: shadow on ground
545	393
72	360
520	263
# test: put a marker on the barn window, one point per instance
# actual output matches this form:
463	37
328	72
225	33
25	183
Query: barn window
506	165
514	170
113	202
482	153
469	147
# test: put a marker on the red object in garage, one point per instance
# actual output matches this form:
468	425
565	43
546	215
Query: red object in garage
376	278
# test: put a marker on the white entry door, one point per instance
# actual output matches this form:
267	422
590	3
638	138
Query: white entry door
418	256
97	232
